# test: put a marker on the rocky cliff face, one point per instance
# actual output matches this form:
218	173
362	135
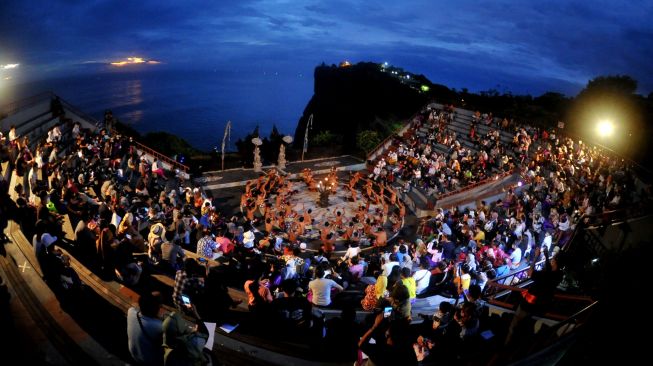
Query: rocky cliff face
353	98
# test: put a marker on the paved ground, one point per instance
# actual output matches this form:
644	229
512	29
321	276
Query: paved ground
234	177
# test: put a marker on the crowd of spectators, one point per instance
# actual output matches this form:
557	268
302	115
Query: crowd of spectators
132	217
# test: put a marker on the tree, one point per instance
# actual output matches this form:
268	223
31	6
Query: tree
368	140
324	138
610	98
611	85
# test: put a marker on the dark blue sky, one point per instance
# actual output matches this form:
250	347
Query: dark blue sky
521	46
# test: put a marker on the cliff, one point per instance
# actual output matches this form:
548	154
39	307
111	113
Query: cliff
349	99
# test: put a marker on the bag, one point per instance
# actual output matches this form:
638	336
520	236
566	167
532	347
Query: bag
181	345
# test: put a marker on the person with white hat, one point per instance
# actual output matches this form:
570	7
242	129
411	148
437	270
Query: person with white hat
155	240
248	239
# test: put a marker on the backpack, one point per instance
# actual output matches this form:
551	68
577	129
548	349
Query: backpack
181	345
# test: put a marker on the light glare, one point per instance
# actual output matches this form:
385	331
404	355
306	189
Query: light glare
605	128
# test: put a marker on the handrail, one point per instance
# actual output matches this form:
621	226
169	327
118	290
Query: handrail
506	281
408	125
475	185
78	112
157	154
15	106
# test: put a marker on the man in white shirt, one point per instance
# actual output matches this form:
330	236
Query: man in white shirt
321	287
548	240
515	256
393	261
422	276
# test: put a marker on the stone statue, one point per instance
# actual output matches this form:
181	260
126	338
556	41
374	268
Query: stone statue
257	159
282	157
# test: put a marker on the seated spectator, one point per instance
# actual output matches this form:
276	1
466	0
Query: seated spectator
292	311
172	254
321	288
126	269
375	293
189	281
422	276
207	247
394	349
144	330
400	301
258	293
409	282
183	343
154	241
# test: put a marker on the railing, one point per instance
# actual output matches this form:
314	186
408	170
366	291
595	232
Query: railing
519	278
549	336
157	154
381	146
81	114
18	105
475	185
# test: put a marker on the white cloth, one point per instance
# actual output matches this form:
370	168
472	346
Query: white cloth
321	289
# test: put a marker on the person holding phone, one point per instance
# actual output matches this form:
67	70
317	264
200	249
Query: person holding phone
392	343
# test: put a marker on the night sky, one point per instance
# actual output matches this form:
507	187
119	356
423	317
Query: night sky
518	46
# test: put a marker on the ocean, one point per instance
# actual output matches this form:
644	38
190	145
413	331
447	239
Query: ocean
194	105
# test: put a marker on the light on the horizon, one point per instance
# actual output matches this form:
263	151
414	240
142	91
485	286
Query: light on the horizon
605	128
134	61
9	66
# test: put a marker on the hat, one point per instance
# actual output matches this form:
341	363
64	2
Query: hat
248	238
48	239
302	246
156	229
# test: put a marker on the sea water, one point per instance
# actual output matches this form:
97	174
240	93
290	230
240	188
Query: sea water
194	105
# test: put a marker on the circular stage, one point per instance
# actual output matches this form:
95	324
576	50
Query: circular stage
301	199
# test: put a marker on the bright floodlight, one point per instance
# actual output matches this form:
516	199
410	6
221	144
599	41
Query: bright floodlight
605	128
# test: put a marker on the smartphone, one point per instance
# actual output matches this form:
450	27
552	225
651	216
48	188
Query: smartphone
387	311
128	236
186	300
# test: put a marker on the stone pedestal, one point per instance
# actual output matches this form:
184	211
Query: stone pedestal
323	200
258	166
281	164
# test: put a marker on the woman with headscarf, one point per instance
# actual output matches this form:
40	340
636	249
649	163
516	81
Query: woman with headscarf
374	293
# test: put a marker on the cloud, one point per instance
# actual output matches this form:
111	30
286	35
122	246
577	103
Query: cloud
524	44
